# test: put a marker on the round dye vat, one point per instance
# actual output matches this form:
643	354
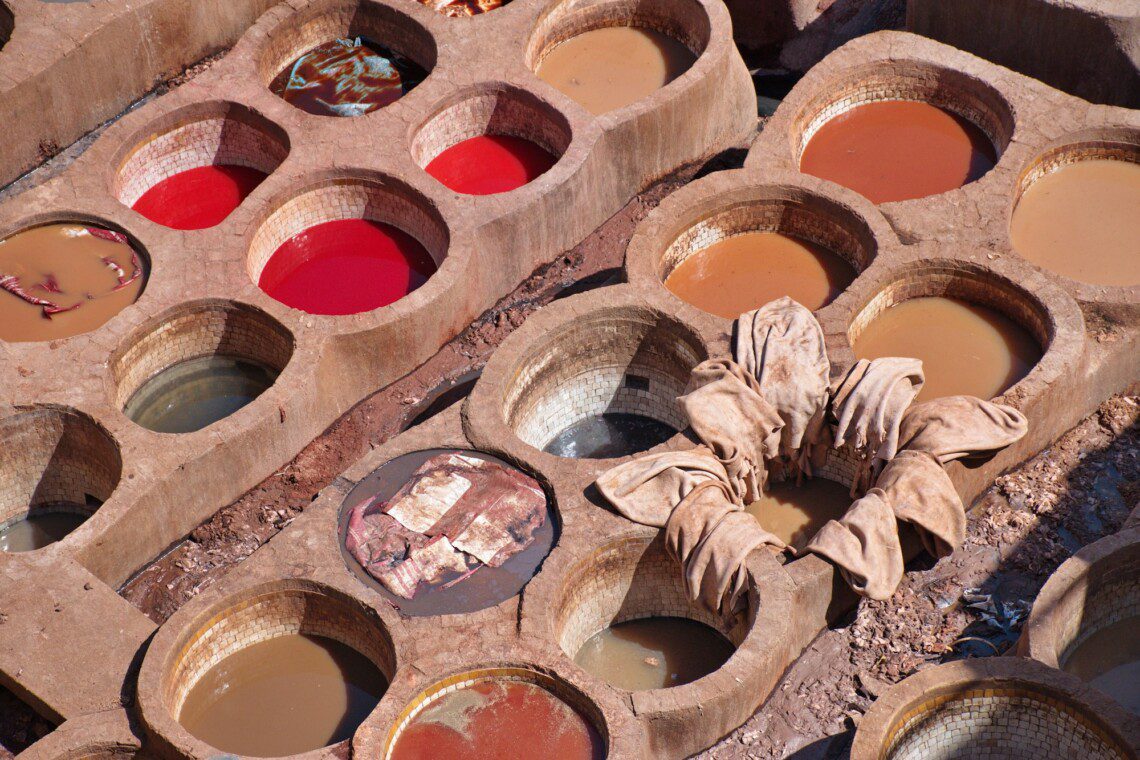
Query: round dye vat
746	271
39	529
193	394
490	164
283	696
608	68
346	77
896	150
1109	659
796	513
463	8
609	435
198	198
486	586
965	349
346	267
499	720
1080	221
654	653
61	280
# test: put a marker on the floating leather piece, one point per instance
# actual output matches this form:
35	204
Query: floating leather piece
953	427
869	404
730	416
647	489
920	493
781	344
460	8
864	544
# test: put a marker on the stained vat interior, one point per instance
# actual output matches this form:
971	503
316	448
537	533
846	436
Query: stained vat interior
623	361
56	461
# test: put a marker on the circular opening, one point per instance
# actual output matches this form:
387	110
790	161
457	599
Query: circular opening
490	712
607	54
58	467
7	24
280	671
795	511
492	141
976	333
348	245
623	615
200	168
604	386
199	364
346	58
1074	212
998	718
903	130
66	278
446	531
754	251
463	8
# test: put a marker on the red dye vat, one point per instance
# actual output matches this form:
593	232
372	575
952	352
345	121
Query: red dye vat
499	720
490	164
346	267
198	198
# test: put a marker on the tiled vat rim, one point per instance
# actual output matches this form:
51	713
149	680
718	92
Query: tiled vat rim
1030	124
97	736
486	245
939	707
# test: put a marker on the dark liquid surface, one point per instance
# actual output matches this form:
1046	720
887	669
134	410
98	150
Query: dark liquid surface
1110	661
604	436
895	150
654	653
499	720
964	348
38	530
746	271
196	393
484	588
283	696
796	513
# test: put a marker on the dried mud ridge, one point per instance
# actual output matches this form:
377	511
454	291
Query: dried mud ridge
971	604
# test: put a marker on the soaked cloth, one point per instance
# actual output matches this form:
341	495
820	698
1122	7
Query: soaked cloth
958	426
345	78
458	8
869	405
728	413
647	489
715	571
455	514
920	493
781	344
864	544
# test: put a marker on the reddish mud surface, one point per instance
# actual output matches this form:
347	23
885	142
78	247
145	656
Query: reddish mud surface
490	164
198	198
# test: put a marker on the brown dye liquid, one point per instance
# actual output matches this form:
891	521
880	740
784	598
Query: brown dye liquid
895	150
38	530
965	349
283	696
1082	221
63	264
1110	661
746	271
795	513
654	653
608	68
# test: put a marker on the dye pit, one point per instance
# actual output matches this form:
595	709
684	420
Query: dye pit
898	150
606	69
39	529
746	271
795	512
654	653
1109	660
965	348
499	720
347	266
283	696
61	280
1080	221
490	164
609	435
197	393
347	77
455	592
198	198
